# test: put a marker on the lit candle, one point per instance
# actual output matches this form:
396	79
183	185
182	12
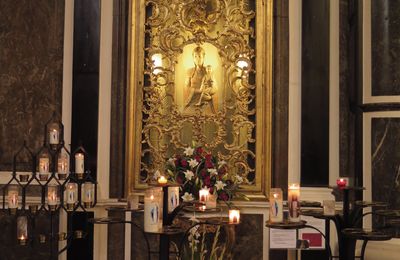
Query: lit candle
341	183
276	205
52	195
202	208
203	195
79	163
54	136
12	197
211	202
234	216
71	193
62	166
153	210
162	180
44	163
22	229
294	203
88	194
173	198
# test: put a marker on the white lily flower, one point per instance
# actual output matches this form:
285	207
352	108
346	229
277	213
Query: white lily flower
189	174
239	179
156	175
193	163
171	161
188	151
220	185
213	171
221	163
187	197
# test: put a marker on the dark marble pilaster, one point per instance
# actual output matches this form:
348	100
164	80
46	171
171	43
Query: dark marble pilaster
385	161
348	89
385	48
116	237
31	58
118	98
280	94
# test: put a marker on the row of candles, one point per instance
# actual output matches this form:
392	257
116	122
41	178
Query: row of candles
62	167
22	232
53	199
276	202
153	205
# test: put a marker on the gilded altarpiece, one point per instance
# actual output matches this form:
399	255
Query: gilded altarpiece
200	74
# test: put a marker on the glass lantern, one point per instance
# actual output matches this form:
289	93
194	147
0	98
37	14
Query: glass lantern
153	205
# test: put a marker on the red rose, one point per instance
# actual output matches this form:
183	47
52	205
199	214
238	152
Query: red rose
184	163
176	161
197	158
222	171
207	181
211	190
209	164
203	173
208	157
223	196
199	150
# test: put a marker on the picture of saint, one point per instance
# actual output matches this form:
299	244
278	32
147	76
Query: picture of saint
154	214
200	82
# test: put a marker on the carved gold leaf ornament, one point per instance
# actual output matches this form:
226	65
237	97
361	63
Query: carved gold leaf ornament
198	86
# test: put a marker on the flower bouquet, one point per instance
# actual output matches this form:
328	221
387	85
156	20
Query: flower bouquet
196	169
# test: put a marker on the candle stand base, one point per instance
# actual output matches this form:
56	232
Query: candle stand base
22	242
62	236
87	205
62	176
78	234
23	178
43	177
13	211
42	239
79	176
33	209
70	206
52	207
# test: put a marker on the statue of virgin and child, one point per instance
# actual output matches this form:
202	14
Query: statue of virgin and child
200	82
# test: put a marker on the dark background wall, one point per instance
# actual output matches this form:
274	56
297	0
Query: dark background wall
31	60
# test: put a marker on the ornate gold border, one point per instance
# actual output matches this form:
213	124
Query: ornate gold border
264	48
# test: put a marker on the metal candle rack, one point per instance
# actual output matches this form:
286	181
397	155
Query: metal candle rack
53	174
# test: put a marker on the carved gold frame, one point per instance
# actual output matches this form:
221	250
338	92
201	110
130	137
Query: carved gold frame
264	51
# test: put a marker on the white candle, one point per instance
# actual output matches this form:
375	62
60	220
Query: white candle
52	195
44	163
79	163
211	202
12	197
203	195
234	216
88	192
71	193
162	180
173	198
22	228
54	136
152	210
276	205
62	164
294	202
